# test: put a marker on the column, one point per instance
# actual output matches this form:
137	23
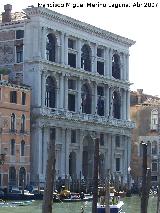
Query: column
43	42
66	49
61	88
43	88
94	59
62	47
94	105
67	143
106	70
39	163
110	102
106	103
123	104
110	63
62	165
127	67
79	46
80	154
79	95
66	92
124	67
128	105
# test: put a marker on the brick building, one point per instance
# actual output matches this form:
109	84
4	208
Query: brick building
145	111
14	133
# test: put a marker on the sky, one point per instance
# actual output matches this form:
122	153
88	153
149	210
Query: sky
138	22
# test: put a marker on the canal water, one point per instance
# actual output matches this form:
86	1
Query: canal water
132	205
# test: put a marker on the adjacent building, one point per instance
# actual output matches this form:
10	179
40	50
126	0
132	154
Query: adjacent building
14	133
145	111
79	75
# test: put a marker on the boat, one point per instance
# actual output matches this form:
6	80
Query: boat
15	203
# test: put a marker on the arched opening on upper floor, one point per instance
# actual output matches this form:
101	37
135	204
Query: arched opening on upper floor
51	47
116	71
13	122
100	100
50	95
86	99
86	54
88	157
116	105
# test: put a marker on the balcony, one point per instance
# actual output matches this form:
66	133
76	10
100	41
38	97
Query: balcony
82	117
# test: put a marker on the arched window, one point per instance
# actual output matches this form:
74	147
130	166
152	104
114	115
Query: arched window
116	71
13	122
154	119
13	147
51	47
100	101
22	147
86	57
86	98
12	176
50	99
23	123
22	177
116	105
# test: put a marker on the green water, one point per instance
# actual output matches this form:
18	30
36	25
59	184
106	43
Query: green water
132	205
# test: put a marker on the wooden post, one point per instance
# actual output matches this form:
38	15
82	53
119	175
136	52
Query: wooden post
95	178
107	197
50	173
144	180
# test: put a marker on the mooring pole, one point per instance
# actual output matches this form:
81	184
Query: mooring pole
144	180
95	178
50	174
107	195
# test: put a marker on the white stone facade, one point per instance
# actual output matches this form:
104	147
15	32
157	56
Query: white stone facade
80	99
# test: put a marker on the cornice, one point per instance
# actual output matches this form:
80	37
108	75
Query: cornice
54	16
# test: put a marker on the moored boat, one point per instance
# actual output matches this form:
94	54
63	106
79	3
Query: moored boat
114	208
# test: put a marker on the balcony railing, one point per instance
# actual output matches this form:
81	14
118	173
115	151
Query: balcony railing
90	118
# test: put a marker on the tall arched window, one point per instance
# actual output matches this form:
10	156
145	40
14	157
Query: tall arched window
86	98
23	123
51	47
13	122
116	71
154	119
12	176
13	147
116	105
22	177
50	99
86	57
22	147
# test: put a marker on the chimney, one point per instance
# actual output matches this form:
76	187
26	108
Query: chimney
139	93
6	16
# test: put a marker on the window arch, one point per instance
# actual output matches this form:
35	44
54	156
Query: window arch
13	147
154	119
13	122
50	98
12	176
116	66
86	57
116	105
86	98
22	177
23	123
22	147
51	47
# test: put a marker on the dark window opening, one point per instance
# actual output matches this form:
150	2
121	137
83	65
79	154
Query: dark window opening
72	59
22	123
100	67
100	106
13	147
116	105
116	66
50	99
100	52
19	54
154	178
154	167
86	101
12	176
23	98
102	139
13	97
117	164
19	34
86	58
13	122
117	141
22	147
71	84
100	91
71	102
73	136
71	43
51	48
